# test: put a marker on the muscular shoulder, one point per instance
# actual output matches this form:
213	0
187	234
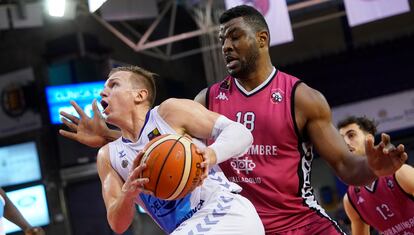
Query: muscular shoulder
310	103
173	106
404	178
103	156
201	97
177	111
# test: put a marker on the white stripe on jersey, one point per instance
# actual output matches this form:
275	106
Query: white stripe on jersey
306	189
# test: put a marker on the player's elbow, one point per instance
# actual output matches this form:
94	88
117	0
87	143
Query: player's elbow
118	229
116	225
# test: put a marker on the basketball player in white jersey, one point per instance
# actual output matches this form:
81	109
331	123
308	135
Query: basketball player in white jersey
212	208
10	212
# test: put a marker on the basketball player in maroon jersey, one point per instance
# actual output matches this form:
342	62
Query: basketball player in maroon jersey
387	204
287	119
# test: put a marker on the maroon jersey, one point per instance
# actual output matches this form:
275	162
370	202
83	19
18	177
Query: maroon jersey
275	172
384	206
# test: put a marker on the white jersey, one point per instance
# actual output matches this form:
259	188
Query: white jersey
2	205
168	214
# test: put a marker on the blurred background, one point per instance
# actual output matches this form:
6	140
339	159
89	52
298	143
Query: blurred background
360	56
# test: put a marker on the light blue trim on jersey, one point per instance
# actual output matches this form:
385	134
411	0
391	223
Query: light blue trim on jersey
170	214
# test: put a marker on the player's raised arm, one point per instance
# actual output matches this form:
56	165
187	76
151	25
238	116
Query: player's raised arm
314	117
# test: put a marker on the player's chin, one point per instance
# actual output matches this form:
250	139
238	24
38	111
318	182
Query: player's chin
111	119
234	72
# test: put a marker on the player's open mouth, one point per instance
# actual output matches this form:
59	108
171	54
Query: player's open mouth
104	105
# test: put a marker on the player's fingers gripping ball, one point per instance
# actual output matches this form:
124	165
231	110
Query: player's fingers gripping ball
173	166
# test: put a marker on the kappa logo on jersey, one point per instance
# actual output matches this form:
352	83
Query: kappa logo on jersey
360	200
154	133
240	164
221	96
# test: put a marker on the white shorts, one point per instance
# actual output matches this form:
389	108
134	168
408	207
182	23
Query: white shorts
224	213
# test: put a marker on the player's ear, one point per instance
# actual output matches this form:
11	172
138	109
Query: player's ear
263	38
141	95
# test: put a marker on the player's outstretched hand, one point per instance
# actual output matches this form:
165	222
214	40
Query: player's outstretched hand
384	158
85	130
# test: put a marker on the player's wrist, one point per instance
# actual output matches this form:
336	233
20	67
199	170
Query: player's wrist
129	192
212	156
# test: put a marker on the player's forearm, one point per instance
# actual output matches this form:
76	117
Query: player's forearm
121	213
354	170
13	214
358	229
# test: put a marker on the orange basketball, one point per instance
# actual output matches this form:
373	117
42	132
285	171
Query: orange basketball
173	166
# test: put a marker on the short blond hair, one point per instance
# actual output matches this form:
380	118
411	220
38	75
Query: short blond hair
148	81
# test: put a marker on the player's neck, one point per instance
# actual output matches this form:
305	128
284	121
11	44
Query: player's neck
256	77
134	122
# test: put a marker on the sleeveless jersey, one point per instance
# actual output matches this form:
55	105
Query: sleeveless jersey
384	205
2	205
168	214
275	172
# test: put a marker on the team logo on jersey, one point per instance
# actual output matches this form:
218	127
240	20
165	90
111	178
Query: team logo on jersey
240	164
154	133
124	162
277	96
221	96
225	85
390	184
